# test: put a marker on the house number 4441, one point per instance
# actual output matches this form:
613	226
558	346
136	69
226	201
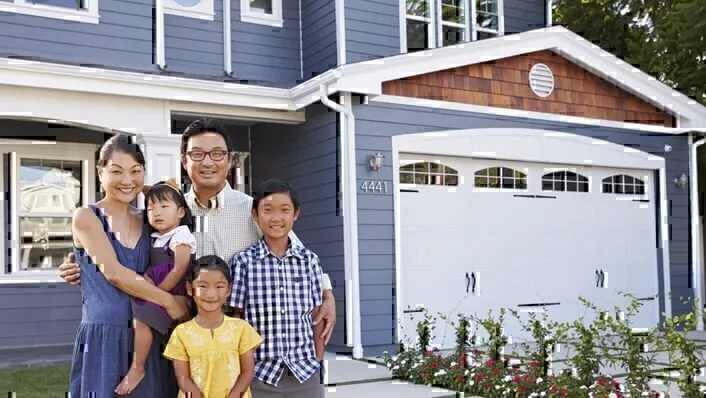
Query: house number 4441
374	186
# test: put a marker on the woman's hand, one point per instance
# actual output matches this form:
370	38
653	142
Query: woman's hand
176	308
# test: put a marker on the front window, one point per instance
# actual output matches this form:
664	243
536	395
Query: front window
49	192
439	23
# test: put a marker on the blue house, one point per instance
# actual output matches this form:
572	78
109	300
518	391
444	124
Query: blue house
456	156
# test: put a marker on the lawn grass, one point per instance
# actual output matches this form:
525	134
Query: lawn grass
35	382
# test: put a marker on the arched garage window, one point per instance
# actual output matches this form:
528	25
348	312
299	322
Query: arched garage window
564	181
500	177
428	173
624	185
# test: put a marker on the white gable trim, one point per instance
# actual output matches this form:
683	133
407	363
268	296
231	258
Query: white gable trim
367	77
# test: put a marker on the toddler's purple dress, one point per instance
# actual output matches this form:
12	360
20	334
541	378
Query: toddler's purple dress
161	263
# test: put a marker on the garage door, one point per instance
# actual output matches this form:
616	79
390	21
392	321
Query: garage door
480	234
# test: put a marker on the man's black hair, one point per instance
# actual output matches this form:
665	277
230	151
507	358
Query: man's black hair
202	126
273	186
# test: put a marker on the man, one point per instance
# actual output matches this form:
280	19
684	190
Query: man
224	223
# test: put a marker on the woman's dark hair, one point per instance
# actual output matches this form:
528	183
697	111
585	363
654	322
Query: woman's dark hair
212	263
161	192
120	143
273	186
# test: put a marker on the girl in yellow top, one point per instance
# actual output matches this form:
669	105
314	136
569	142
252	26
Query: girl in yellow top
213	354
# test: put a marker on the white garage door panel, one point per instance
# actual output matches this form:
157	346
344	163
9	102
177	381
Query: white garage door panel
526	250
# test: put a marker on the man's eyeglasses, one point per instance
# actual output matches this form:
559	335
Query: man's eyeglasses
216	155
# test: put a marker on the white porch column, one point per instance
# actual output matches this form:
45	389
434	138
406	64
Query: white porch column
239	163
162	158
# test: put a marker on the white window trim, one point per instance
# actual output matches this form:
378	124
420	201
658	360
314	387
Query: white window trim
500	31
89	15
19	149
203	10
275	19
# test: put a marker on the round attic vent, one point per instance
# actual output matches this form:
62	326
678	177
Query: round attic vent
541	80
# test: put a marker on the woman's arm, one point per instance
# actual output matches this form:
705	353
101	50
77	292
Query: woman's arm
247	371
183	377
182	259
89	231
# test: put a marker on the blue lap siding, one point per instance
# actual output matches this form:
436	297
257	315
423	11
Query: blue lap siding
307	157
376	123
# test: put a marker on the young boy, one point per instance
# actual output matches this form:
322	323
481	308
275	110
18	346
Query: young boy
277	288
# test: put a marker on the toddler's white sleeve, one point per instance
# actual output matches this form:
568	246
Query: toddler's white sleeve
183	237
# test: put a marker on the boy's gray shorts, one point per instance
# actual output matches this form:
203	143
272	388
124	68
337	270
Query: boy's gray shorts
290	387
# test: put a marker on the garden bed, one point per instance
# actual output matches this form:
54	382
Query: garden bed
486	370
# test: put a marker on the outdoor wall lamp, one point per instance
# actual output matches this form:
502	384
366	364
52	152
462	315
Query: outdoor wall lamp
681	181
376	161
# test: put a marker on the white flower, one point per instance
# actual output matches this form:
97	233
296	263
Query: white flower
453	364
470	383
613	395
539	380
396	367
404	361
542	394
440	373
507	378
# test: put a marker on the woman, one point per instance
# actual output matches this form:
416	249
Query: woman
112	246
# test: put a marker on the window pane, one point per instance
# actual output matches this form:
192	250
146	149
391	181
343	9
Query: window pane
50	186
487	6
420	179
452	35
452	11
263	6
406	178
44	241
417	36
451	180
419	8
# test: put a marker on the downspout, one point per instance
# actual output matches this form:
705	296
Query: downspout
350	230
159	35
227	54
696	239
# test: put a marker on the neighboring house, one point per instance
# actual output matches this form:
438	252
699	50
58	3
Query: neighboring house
457	155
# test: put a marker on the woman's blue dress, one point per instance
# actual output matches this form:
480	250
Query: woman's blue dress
103	349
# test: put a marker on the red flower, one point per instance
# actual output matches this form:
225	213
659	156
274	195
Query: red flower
490	363
532	380
496	371
533	363
516	379
554	389
490	384
425	375
521	389
600	381
479	377
459	379
434	365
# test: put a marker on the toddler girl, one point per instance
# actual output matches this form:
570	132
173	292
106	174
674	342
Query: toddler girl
171	256
213	354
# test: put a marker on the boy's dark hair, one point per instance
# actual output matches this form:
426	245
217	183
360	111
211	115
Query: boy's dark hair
210	262
163	192
202	126
273	186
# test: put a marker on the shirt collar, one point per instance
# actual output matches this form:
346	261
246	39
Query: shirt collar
171	233
217	201
293	250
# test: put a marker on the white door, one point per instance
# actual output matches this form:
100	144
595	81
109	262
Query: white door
533	237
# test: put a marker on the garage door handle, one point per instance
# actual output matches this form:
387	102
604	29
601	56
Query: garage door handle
471	282
600	278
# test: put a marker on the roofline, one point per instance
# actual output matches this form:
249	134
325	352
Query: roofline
362	77
367	77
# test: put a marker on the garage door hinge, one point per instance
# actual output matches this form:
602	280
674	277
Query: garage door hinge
535	196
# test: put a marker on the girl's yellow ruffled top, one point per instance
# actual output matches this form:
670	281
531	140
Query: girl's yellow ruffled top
214	360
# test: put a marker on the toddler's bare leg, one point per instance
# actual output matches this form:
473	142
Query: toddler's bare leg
143	342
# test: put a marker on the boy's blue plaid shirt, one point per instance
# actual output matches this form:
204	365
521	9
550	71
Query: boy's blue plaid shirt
278	297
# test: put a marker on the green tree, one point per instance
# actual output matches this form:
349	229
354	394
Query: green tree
664	38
